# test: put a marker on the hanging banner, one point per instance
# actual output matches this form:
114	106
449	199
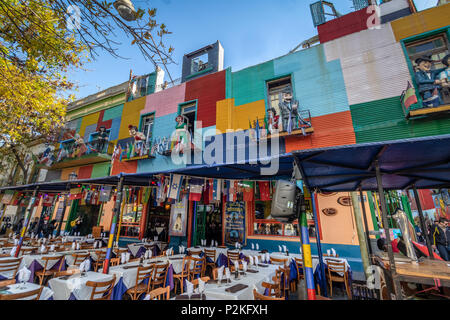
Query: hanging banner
7	197
75	194
176	181
178	218
235	223
59	212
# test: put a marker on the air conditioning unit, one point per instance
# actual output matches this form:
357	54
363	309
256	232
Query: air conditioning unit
283	201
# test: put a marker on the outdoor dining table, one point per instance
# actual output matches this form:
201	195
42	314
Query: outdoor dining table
74	287
139	249
46	293
221	254
35	262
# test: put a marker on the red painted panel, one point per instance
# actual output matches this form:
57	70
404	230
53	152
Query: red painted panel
208	90
345	25
85	172
107	124
326	133
426	200
125	167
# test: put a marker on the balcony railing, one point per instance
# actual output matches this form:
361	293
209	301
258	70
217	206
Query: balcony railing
72	153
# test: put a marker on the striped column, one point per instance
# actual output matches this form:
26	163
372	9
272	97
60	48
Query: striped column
112	232
26	221
306	254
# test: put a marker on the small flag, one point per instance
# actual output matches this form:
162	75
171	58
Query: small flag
195	189
176	181
257	129
264	191
217	189
409	97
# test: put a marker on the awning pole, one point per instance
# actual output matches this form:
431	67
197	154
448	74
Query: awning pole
323	283
422	223
366	225
397	288
113	225
63	213
27	220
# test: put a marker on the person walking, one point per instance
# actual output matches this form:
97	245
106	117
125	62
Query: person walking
440	240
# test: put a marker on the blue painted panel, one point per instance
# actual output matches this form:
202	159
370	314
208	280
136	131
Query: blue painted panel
115	128
89	130
318	85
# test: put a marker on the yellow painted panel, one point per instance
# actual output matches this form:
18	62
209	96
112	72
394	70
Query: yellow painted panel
131	115
65	172
421	22
87	121
224	109
246	112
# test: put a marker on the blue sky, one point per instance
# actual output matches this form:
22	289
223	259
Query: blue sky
251	32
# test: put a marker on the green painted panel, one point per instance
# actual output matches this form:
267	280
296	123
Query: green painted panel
383	120
100	170
249	84
115	112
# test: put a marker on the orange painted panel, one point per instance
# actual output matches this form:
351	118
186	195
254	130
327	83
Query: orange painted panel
329	130
65	172
125	167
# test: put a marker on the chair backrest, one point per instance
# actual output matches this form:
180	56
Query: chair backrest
233	255
198	267
160	274
195	282
145	273
79	258
25	251
259	296
330	255
273	288
101	255
162	293
36	294
195	252
299	265
211	253
103	288
7	282
186	266
119	251
334	266
282	261
52	258
114	262
10	265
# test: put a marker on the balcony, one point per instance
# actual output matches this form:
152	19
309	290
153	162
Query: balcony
71	154
417	110
301	127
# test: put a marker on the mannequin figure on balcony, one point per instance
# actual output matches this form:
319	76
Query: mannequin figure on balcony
139	140
289	111
102	140
444	76
181	139
428	82
273	121
79	146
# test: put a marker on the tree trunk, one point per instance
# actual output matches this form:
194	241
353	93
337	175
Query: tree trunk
21	164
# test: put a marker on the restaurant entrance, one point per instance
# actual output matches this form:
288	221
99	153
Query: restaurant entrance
208	223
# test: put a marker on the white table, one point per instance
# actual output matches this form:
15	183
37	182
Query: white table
46	293
76	285
134	247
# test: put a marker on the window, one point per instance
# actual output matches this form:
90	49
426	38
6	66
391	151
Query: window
437	47
199	63
138	87
147	128
189	113
275	92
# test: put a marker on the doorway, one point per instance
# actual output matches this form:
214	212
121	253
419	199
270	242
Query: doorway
208	224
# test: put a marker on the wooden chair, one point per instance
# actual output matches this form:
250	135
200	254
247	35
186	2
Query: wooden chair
160	275
101	256
25	251
198	267
143	273
46	271
7	282
65	273
204	279
273	289
282	279
86	246
330	255
258	296
114	262
20	296
211	253
103	288
160	293
333	276
195	252
232	256
283	261
10	266
118	251
183	275
79	257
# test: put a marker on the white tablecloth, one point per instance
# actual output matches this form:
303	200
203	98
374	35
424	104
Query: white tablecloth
16	288
76	285
134	247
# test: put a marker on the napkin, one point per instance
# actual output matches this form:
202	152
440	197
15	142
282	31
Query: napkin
95	244
42	249
73	245
123	258
201	285
127	256
220	273
284	248
253	246
267	255
100	244
227	273
149	254
244	265
257	246
78	246
250	258
256	260
179	249
189	288
236	265
13	252
329	252
334	252
52	247
236	245
279	248
16	242
155	238
85	265
24	274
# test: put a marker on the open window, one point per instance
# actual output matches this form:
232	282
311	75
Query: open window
275	91
199	63
147	128
188	111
